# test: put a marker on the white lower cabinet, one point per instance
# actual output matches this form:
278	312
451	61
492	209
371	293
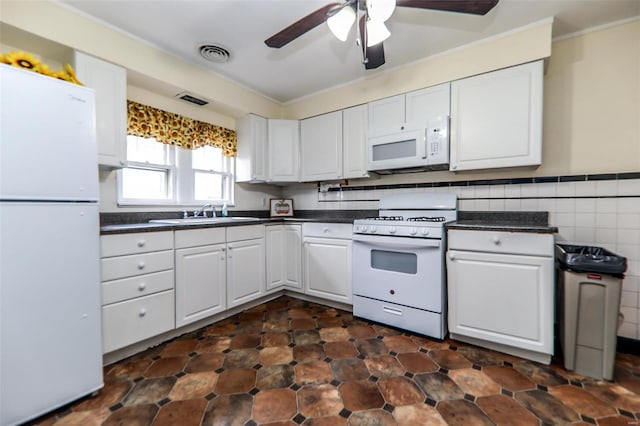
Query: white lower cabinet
501	290
283	250
245	264
326	257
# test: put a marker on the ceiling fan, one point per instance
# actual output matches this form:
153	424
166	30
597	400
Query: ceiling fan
372	15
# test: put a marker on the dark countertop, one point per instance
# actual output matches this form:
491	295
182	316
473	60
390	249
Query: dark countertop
532	222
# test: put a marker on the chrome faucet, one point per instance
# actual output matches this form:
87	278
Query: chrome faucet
201	211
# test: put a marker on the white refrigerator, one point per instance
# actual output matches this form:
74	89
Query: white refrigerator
50	315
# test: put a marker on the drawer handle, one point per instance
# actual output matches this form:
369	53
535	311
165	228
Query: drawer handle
142	286
496	241
142	312
392	311
141	243
141	265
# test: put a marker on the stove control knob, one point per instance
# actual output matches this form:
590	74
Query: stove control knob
373	229
425	231
392	229
413	231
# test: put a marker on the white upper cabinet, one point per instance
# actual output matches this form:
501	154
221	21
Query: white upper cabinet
321	147
283	152
496	119
354	142
110	83
410	110
251	161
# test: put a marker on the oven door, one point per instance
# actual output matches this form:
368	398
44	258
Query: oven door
402	270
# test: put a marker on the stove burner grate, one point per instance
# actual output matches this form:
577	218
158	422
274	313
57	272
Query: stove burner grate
427	219
390	218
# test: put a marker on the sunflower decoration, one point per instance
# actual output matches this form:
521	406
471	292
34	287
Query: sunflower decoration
27	61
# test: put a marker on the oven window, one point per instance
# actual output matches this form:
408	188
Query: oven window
390	151
394	261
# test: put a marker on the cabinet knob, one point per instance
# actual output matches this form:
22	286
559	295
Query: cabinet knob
452	256
141	243
401	127
392	292
142	312
141	265
454	166
123	163
142	286
496	240
325	230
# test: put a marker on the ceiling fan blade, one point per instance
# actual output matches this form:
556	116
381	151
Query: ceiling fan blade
374	55
300	27
476	7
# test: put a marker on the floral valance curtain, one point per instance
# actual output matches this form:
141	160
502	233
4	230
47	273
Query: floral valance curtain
174	129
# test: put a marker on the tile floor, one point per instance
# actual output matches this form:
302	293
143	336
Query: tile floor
290	362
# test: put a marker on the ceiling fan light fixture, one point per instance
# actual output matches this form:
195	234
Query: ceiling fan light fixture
380	10
340	23
377	32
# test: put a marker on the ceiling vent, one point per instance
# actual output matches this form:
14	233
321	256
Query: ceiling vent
214	53
188	97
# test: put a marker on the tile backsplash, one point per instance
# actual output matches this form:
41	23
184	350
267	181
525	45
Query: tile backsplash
597	210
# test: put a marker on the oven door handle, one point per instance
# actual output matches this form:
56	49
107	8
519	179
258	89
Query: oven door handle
398	242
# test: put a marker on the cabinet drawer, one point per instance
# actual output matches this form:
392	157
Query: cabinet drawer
142	242
199	237
502	242
114	268
327	230
142	285
129	322
240	233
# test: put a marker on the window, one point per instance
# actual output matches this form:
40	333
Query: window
161	174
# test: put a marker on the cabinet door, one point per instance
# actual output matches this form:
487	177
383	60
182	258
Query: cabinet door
110	83
354	142
284	149
292	256
386	115
425	104
275	256
321	147
200	283
506	299
496	119
245	271
327	268
252	144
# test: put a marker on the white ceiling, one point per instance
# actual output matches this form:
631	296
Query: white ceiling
317	60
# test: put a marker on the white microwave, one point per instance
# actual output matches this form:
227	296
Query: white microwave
410	150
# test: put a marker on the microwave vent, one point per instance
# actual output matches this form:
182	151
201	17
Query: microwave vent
188	97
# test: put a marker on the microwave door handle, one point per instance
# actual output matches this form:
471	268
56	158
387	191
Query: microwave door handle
425	153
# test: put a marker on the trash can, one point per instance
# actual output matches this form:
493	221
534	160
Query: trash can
589	283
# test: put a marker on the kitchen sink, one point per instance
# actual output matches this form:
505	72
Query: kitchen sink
204	220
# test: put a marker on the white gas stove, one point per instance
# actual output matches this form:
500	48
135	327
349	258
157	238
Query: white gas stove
398	262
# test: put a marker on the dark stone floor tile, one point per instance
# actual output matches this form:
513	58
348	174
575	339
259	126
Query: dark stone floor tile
109	395
295	313
539	374
418	414
306	353
220	329
361	395
334	334
546	407
237	380
275	376
340	350
127	370
615	395
196	385
319	401
305	337
509	378
149	391
274	405
449	359
483	357
276	325
438	386
474	382
249	327
582	402
386	331
329	322
462	413
245	341
383	366
137	415
400	344
504	410
228	410
204	362
166	366
313	372
276	355
180	347
399	391
213	344
417	362
76	418
275	339
346	369
241	358
184	413
251	316
362	331
303	324
372	417
615	421
326	421
371	347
